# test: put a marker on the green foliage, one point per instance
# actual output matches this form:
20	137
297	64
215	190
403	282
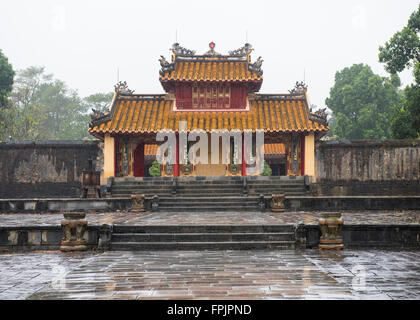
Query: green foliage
154	169
41	107
267	170
404	46
362	103
400	52
99	101
6	79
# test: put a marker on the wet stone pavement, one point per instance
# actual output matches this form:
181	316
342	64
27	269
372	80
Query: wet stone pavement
289	274
211	218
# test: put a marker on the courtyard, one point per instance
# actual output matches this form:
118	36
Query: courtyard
361	273
215	275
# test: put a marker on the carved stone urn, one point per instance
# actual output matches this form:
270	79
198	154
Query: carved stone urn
74	227
137	201
277	202
330	224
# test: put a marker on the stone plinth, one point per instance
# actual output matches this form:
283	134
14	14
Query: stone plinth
330	224
74	227
277	202
137	201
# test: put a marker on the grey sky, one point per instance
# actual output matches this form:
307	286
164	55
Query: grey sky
84	42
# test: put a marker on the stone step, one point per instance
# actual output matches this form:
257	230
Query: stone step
188	195
201	237
209	245
207	200
210	187
239	206
250	228
208	209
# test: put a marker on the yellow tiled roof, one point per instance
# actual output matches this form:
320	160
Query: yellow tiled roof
215	71
137	114
274	148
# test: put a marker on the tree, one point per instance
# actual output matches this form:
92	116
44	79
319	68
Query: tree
99	101
24	116
400	52
6	84
6	79
362	103
66	116
154	169
44	108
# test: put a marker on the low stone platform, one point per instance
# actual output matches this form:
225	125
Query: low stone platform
398	217
398	229
178	203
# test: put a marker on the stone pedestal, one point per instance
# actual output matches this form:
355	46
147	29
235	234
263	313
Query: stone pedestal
137	201
74	227
330	224
277	202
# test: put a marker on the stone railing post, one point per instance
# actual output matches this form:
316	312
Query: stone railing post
245	187
155	203
261	203
300	235
74	227
174	186
105	233
330	224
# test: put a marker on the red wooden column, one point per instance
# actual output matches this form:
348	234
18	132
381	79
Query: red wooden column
243	156
115	155
302	154
176	165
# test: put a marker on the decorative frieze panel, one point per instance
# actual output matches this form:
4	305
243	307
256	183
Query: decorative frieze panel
210	96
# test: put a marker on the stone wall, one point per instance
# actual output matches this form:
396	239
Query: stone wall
45	168
343	168
368	167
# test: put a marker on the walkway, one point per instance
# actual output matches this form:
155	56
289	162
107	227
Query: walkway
212	218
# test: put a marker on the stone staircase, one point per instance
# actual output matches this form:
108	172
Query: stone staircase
209	193
209	186
203	237
212	203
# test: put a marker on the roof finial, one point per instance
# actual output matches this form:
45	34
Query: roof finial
212	52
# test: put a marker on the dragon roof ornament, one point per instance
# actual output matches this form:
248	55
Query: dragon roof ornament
319	116
299	89
243	51
122	88
256	66
321	113
181	51
166	66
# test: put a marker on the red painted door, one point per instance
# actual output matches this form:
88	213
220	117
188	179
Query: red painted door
139	161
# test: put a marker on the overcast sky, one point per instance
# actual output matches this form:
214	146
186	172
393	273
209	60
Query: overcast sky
84	42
